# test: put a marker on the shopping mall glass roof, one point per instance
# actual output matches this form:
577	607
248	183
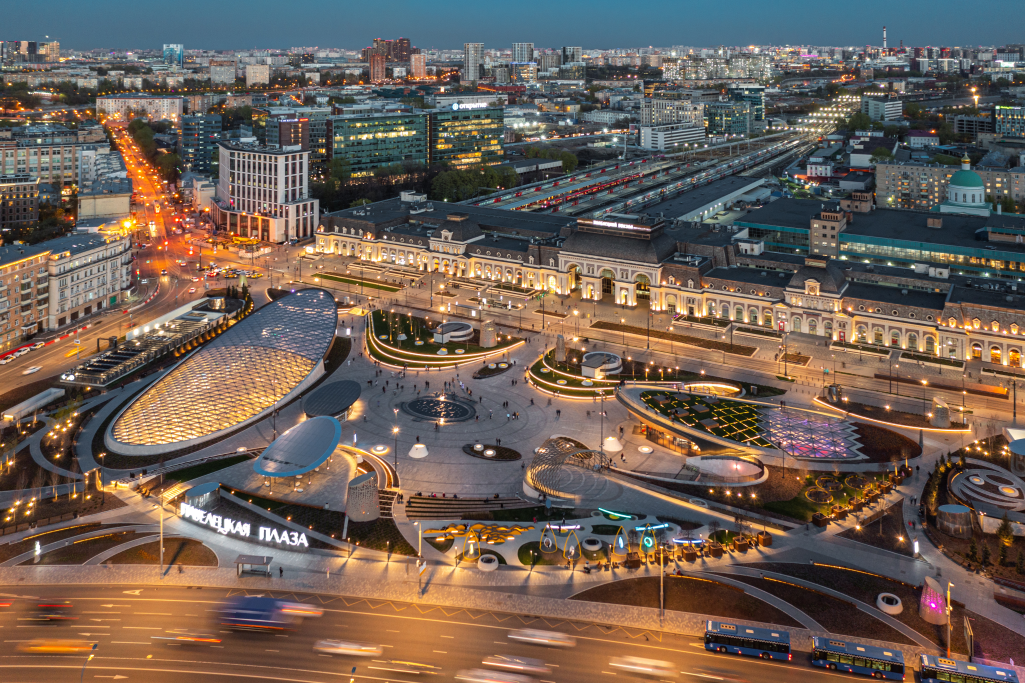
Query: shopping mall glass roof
302	448
233	379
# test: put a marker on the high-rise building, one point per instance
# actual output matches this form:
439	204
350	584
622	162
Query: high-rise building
174	55
466	136
268	131
728	118
572	54
30	51
257	74
523	72
1009	122
294	131
378	70
369	141
156	107
19	200
523	52
222	71
264	193
753	95
472	58
418	66
882	108
198	140
401	50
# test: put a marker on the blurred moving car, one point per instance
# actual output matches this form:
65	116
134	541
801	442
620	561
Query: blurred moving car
342	647
644	666
53	646
487	676
525	665
537	637
52	612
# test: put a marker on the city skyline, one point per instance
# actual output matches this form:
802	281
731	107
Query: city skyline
232	27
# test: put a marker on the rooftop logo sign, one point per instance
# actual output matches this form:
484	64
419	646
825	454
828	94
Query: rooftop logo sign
456	106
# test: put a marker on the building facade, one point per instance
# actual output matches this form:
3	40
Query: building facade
920	186
155	107
732	119
1009	122
263	193
371	141
378	68
19	200
48	151
418	66
88	273
473	56
197	141
466	136
174	55
671	137
884	108
257	74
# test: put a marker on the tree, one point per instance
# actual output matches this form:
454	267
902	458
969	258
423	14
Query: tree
169	166
1001	555
1004	532
859	121
973	550
880	154
987	554
1019	565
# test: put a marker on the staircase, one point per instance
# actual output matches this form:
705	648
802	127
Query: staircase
424	507
386	499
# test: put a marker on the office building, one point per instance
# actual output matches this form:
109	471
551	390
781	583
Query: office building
572	55
401	50
370	141
197	141
222	72
1009	122
49	151
473	55
267	130
674	137
104	188
257	74
731	119
466	136
19	200
263	193
882	108
522	52
378	69
154	107
24	292
293	131
753	95
418	66
174	55
658	111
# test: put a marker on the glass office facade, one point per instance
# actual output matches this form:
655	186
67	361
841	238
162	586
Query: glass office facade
467	137
369	142
985	261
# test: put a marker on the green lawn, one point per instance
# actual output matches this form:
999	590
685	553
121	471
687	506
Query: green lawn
365	283
197	471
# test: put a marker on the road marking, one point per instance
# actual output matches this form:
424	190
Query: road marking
391	631
134	592
127	642
609	673
441	652
143	628
272	650
442	636
154	614
101	612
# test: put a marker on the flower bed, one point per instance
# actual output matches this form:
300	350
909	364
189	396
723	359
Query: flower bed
724	418
861	348
367	284
419	349
932	360
759	331
736	349
707	320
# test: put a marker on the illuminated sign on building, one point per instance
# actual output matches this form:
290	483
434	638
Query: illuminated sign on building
227	526
456	106
616	225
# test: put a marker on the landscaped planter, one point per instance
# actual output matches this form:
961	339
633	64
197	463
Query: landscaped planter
886	487
764	539
487	563
715	550
690	555
840	514
857	504
741	545
819	520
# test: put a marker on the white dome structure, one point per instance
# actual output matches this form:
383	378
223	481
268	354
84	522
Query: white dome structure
966	193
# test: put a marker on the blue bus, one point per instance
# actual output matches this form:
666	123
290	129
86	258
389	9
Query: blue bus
747	640
936	669
854	658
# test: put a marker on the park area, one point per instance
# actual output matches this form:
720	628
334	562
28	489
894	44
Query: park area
406	340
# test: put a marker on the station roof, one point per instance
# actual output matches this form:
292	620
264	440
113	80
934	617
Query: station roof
332	399
302	448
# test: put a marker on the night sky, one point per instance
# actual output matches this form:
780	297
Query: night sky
230	24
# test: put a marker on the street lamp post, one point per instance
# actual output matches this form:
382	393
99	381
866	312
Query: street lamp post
949	610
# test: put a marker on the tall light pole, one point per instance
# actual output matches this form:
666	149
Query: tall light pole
395	446
949	610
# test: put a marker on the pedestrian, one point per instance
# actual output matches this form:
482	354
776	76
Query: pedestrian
281	572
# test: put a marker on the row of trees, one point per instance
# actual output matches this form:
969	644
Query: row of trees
568	159
167	164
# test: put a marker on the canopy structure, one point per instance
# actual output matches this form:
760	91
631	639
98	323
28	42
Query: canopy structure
301	449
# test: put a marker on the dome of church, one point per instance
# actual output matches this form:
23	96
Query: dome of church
966	186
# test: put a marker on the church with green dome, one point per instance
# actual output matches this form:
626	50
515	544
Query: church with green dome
966	193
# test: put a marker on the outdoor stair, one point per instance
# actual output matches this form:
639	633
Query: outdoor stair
386	499
172	492
424	507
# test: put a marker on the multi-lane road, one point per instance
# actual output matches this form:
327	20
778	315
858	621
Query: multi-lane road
127	622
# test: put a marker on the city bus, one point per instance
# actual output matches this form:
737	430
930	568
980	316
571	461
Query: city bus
841	655
252	613
936	669
747	640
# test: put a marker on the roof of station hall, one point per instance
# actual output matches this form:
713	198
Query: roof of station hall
238	375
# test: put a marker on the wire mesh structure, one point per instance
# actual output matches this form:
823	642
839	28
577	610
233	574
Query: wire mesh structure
804	435
546	471
233	380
